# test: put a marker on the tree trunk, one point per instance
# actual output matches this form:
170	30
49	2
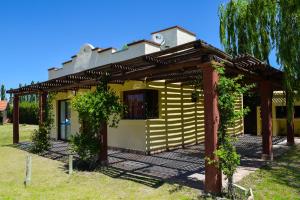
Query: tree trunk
230	187
103	144
290	117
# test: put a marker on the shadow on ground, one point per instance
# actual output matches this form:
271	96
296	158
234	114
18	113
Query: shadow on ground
181	166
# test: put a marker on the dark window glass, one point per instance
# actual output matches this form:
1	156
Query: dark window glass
141	104
297	112
280	112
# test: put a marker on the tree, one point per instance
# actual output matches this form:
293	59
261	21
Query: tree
3	92
258	27
95	110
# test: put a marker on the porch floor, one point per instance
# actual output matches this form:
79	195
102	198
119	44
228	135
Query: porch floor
182	166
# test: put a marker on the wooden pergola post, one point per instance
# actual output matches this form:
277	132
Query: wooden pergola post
289	125
213	175
42	107
103	147
103	143
16	119
266	93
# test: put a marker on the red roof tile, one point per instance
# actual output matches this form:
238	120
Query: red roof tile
3	105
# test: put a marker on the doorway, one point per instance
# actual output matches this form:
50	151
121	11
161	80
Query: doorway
64	112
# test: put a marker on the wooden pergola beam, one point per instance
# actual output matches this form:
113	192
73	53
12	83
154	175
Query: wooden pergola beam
155	60
158	69
122	67
180	74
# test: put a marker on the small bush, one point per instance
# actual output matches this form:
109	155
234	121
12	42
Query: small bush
41	140
41	137
85	145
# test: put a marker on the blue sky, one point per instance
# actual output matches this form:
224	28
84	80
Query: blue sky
36	35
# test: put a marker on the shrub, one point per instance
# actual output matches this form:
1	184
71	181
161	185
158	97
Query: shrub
41	140
85	145
41	137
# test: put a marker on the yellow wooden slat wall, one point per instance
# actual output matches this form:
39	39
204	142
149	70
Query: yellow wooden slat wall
181	121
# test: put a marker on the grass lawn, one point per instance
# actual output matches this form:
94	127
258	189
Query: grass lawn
50	181
280	180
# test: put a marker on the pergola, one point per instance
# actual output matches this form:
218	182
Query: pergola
183	64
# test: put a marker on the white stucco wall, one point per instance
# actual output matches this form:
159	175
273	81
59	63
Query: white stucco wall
88	57
130	134
183	37
174	37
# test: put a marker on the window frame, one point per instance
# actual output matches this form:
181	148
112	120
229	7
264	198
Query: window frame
144	93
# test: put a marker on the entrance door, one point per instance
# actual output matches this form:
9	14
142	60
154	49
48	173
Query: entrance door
64	120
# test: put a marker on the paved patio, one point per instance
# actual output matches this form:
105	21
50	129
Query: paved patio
183	166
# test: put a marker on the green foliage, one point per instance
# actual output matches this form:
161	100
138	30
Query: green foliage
28	113
28	97
41	140
86	145
197	86
3	92
95	109
41	137
125	46
229	90
49	120
259	26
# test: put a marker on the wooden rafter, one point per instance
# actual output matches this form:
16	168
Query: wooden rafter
169	64
122	67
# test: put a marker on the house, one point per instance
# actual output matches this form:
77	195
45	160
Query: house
156	80
279	115
171	118
3	111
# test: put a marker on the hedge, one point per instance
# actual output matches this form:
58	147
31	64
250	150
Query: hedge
28	113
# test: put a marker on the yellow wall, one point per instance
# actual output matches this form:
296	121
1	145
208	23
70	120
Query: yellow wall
130	134
278	125
74	115
181	122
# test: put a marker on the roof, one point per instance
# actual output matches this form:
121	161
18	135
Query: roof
178	27
181	63
3	105
144	41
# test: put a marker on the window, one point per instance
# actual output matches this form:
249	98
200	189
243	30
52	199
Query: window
281	112
141	104
297	112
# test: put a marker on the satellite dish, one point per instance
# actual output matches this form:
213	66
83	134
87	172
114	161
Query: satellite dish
158	38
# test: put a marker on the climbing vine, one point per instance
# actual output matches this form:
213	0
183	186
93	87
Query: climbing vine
41	137
230	90
95	108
